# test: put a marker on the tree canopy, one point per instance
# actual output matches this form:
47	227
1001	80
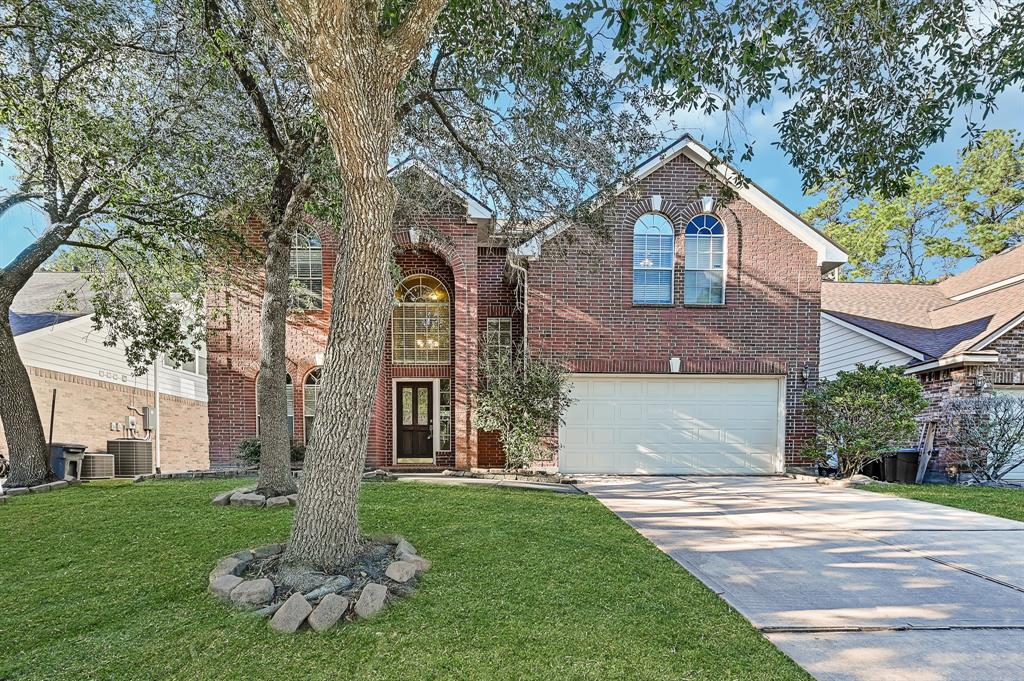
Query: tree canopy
967	211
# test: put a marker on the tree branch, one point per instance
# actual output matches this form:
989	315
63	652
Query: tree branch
410	37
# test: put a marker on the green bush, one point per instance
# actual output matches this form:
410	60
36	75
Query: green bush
249	451
523	403
861	414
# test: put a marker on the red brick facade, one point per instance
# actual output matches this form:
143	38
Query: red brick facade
579	309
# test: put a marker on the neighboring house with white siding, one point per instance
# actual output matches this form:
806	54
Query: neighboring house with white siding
960	337
94	383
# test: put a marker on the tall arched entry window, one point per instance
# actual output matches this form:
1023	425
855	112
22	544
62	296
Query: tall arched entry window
420	323
306	270
310	397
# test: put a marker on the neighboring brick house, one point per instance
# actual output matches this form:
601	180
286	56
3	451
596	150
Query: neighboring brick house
95	386
690	332
961	336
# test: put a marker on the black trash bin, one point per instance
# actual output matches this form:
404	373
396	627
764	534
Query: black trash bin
57	460
872	469
907	461
889	468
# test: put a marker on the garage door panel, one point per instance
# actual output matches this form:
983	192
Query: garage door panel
673	425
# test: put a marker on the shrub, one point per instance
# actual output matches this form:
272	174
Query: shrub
249	451
523	403
987	433
861	414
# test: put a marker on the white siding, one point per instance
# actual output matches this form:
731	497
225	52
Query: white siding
842	349
75	348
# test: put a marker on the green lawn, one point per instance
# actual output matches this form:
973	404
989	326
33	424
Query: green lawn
1005	503
108	580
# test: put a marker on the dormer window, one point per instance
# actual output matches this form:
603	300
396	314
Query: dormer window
653	246
704	280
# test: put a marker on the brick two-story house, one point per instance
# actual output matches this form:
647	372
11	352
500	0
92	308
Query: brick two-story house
690	329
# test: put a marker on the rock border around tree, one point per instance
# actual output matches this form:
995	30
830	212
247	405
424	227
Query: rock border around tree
248	497
11	492
388	568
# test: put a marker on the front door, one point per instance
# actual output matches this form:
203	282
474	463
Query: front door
414	414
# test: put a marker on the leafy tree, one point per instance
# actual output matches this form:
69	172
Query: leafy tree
870	85
523	401
987	432
97	118
515	98
972	210
861	414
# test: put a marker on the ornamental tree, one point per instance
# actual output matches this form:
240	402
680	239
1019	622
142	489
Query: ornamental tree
861	414
987	433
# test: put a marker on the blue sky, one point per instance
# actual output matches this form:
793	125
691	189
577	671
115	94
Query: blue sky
769	167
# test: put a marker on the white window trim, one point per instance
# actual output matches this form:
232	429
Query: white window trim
306	229
725	263
671	268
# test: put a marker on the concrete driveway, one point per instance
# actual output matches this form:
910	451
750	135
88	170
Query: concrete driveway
850	584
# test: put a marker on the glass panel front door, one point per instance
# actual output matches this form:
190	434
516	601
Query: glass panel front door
414	417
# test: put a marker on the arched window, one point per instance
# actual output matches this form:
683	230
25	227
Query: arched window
704	281
306	270
653	241
310	396
420	327
289	392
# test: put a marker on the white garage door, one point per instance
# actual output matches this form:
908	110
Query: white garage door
674	425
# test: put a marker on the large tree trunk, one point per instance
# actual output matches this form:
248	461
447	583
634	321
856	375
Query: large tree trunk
23	429
325	534
275	476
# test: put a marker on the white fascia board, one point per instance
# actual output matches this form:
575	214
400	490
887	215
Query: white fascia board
955	361
986	289
874	336
830	255
998	333
474	208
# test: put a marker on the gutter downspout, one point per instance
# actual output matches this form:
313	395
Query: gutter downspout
156	414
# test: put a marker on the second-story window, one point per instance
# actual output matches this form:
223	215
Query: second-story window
306	270
704	282
653	245
420	324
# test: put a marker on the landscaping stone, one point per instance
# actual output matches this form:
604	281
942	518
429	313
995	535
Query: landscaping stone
222	586
419	562
371	600
293	499
59	484
404	547
277	502
249	499
861	480
223	499
290	616
253	593
235	497
332	585
331	609
261	552
39	488
400	571
16	491
231	565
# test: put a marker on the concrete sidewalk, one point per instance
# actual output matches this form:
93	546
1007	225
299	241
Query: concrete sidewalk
852	585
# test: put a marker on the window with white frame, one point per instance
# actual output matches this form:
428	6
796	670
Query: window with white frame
653	246
289	392
196	365
445	414
306	270
420	323
310	397
704	280
498	338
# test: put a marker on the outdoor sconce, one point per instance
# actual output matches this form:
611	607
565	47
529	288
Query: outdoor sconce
707	204
805	373
674	364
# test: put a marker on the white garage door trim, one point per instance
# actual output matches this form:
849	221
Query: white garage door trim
777	457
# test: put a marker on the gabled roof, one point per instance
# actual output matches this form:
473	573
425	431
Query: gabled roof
32	307
830	255
474	206
959	316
